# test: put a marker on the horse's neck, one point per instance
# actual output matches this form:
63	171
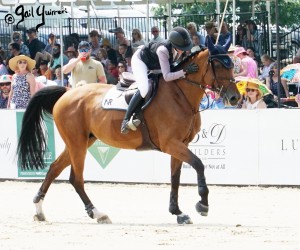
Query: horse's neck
192	93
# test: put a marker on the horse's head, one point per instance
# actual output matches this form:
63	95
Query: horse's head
216	71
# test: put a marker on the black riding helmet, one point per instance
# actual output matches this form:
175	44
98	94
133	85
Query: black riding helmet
180	39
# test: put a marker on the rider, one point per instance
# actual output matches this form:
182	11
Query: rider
154	56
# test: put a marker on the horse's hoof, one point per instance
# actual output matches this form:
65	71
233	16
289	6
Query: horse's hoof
201	209
184	219
39	217
104	220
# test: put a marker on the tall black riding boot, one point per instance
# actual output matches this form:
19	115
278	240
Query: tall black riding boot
134	102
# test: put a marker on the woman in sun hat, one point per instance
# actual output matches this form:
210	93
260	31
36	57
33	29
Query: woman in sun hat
23	82
249	66
253	96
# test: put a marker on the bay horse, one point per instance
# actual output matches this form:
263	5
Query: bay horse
172	121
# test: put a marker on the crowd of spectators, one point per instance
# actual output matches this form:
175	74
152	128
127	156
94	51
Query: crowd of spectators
97	60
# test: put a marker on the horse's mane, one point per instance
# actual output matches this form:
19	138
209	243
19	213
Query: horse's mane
187	58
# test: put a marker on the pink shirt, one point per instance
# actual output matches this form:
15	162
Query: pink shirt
251	66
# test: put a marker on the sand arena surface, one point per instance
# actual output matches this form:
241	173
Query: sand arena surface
239	218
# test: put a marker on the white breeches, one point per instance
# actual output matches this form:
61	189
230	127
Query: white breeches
140	72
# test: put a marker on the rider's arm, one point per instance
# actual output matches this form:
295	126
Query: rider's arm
163	56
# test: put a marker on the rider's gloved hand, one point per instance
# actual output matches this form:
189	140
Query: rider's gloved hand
191	68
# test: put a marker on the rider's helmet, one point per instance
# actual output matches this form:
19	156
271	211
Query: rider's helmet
180	39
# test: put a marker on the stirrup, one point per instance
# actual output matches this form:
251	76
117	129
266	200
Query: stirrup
133	124
124	127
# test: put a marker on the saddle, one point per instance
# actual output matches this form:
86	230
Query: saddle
119	97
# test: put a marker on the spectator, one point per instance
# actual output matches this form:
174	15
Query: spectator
122	51
254	96
84	68
128	56
71	53
225	35
137	39
251	54
120	36
297	99
241	33
267	61
35	72
252	38
57	58
112	69
249	67
51	42
44	70
211	100
23	82
122	67
192	29
33	43
14	49
3	69
102	57
95	42
211	30
5	86
17	38
156	34
111	53
58	77
237	62
272	82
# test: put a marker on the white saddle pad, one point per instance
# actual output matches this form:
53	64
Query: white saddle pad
115	99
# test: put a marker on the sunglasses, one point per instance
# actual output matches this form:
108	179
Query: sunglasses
134	33
250	90
22	62
84	50
5	84
154	31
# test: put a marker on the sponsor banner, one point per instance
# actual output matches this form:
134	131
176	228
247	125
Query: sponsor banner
8	144
50	151
237	147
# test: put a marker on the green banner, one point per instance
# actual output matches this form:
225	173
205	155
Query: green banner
103	153
50	151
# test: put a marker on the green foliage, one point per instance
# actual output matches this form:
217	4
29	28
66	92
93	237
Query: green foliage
288	10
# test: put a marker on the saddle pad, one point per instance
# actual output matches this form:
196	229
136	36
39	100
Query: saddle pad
114	99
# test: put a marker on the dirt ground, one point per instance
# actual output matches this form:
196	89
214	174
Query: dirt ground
239	218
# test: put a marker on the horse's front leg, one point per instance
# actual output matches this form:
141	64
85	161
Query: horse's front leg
180	151
175	181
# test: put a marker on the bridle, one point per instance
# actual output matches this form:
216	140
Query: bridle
215	86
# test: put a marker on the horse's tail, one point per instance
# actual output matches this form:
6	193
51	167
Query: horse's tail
32	142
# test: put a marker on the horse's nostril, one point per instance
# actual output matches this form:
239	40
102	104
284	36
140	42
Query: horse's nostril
233	100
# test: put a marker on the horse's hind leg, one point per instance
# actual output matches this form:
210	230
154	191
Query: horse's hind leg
55	169
175	181
77	155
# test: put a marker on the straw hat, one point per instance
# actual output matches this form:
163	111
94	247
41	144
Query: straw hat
240	50
13	63
106	42
253	85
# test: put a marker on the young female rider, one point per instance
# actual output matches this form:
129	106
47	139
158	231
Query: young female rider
157	55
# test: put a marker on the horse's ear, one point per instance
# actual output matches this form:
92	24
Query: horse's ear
210	45
227	44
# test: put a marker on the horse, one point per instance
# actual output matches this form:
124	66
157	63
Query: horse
169	124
